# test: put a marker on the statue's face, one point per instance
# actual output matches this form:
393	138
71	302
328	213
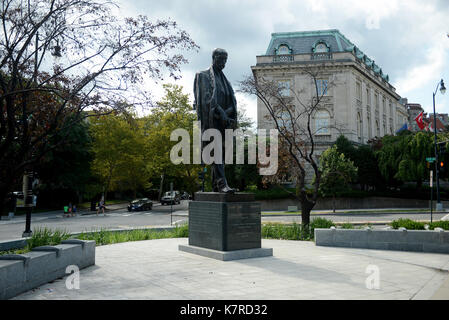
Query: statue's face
220	61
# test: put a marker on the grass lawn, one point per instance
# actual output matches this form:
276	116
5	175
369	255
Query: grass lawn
345	211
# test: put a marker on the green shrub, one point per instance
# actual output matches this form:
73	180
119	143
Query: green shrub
103	237
347	225
46	237
408	224
320	223
439	224
284	231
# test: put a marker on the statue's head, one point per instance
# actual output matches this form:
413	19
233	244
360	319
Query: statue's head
219	58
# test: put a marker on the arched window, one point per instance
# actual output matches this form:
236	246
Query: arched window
322	121
320	46
283	49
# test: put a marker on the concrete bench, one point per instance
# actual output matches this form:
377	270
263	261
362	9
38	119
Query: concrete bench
436	241
23	272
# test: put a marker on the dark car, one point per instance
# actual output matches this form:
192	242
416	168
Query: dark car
140	205
173	197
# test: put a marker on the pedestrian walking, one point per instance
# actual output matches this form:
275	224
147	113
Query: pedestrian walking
74	210
66	211
101	207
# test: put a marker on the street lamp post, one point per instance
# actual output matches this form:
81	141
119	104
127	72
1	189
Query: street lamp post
26	189
442	90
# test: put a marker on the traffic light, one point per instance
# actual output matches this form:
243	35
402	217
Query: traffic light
441	164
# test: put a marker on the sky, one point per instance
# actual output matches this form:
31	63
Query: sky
408	39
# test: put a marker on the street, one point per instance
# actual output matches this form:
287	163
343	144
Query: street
160	217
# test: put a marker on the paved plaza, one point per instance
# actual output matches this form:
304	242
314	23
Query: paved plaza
156	269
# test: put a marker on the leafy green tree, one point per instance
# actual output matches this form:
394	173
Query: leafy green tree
336	172
63	172
118	147
172	112
106	56
403	157
364	158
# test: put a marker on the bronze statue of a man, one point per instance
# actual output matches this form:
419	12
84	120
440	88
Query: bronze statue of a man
216	108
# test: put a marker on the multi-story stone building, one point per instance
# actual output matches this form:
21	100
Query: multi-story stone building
359	102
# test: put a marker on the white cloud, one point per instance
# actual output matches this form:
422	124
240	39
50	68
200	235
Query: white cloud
428	71
407	38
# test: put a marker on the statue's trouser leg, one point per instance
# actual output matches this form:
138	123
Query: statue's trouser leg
218	171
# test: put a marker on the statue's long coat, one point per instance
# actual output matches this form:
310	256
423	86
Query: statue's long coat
205	101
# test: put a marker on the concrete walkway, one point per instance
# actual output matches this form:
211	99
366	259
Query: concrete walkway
155	269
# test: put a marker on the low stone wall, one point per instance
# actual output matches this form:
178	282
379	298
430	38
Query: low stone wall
22	272
436	241
349	203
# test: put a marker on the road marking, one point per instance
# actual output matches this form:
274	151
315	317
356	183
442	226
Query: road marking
445	218
175	222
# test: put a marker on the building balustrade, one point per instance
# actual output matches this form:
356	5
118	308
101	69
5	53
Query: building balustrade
321	56
284	58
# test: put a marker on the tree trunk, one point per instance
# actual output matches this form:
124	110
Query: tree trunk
306	208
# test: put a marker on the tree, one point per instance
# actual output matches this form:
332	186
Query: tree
365	160
103	58
336	172
64	171
403	158
173	112
118	147
292	116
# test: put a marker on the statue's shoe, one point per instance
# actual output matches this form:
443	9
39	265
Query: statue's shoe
227	189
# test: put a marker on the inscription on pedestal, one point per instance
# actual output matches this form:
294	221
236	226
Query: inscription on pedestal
225	226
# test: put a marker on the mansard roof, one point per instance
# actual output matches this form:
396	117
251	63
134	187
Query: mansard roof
304	42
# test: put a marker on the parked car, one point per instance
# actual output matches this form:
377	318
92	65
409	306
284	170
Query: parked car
140	205
173	197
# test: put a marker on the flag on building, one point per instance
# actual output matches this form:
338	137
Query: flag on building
404	127
419	121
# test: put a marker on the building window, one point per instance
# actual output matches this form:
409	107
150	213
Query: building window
376	101
321	47
358	91
322	120
377	128
359	126
285	120
368	119
322	87
391	109
384	106
284	88
283	49
368	98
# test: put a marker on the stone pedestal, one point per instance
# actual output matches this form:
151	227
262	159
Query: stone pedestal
224	223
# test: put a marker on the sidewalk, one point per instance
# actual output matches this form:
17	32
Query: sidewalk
156	269
40	216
